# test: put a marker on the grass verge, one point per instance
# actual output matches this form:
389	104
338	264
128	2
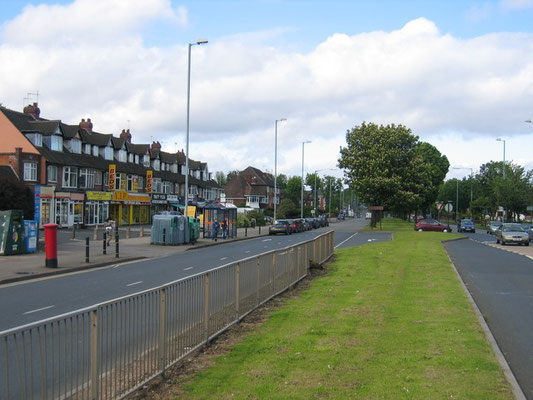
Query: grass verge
389	321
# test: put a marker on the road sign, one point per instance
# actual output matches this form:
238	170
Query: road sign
439	206
448	207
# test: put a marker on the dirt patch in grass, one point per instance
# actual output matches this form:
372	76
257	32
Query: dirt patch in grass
169	386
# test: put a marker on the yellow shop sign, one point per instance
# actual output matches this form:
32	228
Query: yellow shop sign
98	196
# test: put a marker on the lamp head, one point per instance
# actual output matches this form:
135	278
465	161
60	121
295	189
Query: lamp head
499	139
202	41
282	119
528	121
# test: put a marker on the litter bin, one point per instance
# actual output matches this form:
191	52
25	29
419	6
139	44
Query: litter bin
31	235
169	229
194	229
12	232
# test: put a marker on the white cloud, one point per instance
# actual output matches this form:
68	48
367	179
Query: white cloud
436	84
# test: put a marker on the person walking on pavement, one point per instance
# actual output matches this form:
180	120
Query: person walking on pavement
109	226
216	227
224	229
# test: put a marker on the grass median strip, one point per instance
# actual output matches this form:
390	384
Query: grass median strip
389	321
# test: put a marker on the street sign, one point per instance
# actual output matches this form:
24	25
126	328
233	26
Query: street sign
448	207
439	206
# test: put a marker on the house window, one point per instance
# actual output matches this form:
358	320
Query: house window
130	158
106	179
167	187
129	187
156	165
95	151
86	178
136	159
30	172
87	149
163	166
174	168
75	146
56	143
70	177
52	173
193	190
108	153
97	177
35	138
146	161
157	185
122	155
118	181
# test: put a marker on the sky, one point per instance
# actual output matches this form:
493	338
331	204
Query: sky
458	73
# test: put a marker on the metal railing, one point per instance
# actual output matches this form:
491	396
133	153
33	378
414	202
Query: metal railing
109	350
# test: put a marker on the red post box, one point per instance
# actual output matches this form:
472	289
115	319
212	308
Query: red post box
50	245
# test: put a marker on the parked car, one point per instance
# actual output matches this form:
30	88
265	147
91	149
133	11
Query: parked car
296	226
280	226
493	226
341	216
466	225
512	233
529	229
431	225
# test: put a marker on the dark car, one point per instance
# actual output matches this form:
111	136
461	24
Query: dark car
280	226
493	226
512	233
431	225
466	225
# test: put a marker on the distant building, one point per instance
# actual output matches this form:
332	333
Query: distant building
251	188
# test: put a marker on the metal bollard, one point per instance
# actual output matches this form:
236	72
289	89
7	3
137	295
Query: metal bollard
246	231
95	234
74	230
105	243
164	236
116	244
141	234
259	229
87	249
128	232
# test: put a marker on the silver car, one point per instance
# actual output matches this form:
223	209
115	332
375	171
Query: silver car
511	233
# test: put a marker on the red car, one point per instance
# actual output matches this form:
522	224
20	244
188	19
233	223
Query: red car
431	225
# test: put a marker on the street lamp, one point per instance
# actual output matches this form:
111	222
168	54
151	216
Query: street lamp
198	42
316	173
503	140
471	191
276	163
302	199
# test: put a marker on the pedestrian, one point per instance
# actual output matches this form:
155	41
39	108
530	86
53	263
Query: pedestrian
109	226
216	227
224	229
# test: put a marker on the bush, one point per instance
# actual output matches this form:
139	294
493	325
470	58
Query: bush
243	221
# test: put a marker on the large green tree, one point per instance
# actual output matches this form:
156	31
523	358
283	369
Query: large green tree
387	165
16	196
293	189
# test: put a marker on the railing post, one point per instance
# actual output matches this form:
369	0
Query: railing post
104	249
95	359
315	250
162	330
95	234
257	282
273	274
87	249
116	244
206	307
238	290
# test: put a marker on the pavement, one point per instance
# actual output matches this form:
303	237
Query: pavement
71	252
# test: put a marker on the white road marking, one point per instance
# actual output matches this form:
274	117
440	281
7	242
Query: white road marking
223	258
37	310
247	251
344	241
134	283
188	268
266	240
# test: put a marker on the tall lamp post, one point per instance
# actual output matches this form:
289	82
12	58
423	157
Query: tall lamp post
316	173
471	191
276	164
503	140
530	122
198	42
302	197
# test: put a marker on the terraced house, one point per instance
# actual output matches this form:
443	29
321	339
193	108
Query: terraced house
82	176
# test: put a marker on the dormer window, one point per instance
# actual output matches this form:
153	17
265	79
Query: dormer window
130	158
122	155
108	153
75	146
35	138
174	168
56	143
136	159
87	148
95	151
163	165
146	161
156	165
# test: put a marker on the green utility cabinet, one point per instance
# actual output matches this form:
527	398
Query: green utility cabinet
12	232
194	229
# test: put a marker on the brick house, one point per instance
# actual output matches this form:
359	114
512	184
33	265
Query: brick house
251	187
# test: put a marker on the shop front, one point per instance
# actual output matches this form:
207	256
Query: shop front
68	208
97	207
159	203
130	208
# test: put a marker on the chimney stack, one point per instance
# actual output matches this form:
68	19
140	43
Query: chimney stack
86	125
32	110
125	134
156	146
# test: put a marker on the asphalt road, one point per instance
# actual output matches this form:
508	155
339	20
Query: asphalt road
501	283
40	299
